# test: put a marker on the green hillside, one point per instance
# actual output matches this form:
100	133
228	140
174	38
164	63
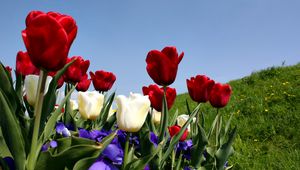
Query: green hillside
266	107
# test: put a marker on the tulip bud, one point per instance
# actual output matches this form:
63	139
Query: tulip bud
174	130
24	65
156	95
48	37
102	80
199	88
220	95
8	69
162	65
84	84
76	71
156	116
132	111
90	104
181	119
31	87
73	104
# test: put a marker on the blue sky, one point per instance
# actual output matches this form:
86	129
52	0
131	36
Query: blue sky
224	40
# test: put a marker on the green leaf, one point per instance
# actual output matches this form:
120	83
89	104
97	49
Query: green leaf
85	163
3	164
69	156
19	86
174	117
176	138
110	122
105	110
227	128
225	150
55	115
143	161
7	88
50	97
213	125
4	151
188	107
12	133
178	165
199	147
65	143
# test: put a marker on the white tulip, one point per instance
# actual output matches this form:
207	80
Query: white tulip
31	87
73	104
132	111
90	104
181	119
156	116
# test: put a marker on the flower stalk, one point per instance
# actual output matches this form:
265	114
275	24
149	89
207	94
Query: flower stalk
35	147
125	161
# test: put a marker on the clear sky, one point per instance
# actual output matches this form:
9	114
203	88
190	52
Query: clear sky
223	39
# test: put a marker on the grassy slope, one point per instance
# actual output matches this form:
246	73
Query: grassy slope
266	107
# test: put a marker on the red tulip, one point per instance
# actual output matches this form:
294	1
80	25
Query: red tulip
156	95
162	65
220	95
84	84
60	81
48	37
77	70
8	69
24	65
102	80
174	130
199	88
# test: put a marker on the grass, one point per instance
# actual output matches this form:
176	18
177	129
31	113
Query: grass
266	107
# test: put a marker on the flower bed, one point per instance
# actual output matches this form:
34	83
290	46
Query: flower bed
90	133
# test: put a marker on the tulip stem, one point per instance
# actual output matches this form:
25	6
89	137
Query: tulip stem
125	161
35	147
164	117
67	119
218	128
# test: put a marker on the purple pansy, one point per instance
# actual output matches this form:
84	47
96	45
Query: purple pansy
133	139
103	164
153	139
96	135
51	144
62	130
10	163
114	153
185	147
147	167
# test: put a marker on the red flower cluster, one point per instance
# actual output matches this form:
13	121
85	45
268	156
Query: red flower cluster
174	130
203	89
156	96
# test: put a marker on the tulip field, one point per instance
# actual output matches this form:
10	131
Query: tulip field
266	107
251	123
